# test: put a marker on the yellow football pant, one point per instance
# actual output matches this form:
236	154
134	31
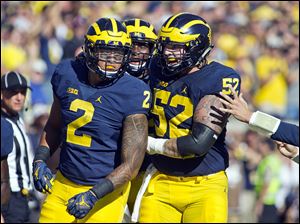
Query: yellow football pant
170	199
110	208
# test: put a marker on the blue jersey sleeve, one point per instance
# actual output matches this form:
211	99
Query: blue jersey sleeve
57	81
233	79
217	78
138	99
288	133
7	138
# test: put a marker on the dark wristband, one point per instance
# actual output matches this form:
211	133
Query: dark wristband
104	187
42	153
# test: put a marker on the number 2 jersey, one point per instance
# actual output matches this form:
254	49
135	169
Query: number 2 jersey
173	108
92	120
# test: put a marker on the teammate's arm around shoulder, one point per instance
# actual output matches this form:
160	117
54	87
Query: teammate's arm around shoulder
206	128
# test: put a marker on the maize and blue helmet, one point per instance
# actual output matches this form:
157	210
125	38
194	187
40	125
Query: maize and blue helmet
141	32
107	34
192	34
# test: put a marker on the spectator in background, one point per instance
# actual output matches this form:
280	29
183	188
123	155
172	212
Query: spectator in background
74	43
40	117
267	183
250	157
13	93
39	84
272	71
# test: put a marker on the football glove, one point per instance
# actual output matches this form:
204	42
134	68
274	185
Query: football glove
80	205
42	177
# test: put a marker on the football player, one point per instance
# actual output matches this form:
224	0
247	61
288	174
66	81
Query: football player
144	38
189	153
99	119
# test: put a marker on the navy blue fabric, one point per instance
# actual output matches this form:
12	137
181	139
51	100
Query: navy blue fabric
194	86
7	137
112	103
288	133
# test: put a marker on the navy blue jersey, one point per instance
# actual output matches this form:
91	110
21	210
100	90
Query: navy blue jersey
92	120
288	133
7	138
173	109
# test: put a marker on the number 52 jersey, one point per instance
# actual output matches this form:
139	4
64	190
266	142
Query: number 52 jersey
173	109
92	120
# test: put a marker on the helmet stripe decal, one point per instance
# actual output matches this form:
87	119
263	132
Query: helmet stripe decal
189	24
137	23
114	25
171	20
152	28
96	28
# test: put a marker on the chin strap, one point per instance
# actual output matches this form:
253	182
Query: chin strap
204	54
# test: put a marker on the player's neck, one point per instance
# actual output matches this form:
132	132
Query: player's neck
94	79
194	70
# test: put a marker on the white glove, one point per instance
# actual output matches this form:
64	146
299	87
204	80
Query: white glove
155	145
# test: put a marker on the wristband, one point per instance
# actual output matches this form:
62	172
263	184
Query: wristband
104	187
264	123
156	145
42	153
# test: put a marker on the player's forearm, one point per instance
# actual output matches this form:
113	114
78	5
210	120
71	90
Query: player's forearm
134	143
122	175
51	138
197	143
171	149
205	131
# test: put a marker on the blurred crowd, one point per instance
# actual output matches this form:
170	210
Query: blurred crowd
259	39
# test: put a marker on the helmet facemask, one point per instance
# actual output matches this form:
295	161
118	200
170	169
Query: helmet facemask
107	48
109	62
140	58
144	37
176	58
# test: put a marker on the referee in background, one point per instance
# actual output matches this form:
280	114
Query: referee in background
13	94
